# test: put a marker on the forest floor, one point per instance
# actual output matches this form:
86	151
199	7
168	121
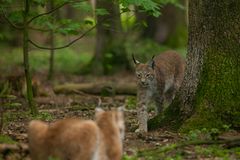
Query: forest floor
154	145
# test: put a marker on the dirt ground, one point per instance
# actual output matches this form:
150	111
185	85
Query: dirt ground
58	106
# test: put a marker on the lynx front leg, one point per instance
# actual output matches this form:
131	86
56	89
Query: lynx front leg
143	98
142	117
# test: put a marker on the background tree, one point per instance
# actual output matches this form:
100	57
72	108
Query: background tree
209	96
26	22
51	40
44	22
108	51
169	28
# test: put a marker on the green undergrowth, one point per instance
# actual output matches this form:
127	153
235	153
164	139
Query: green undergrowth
198	144
11	116
6	139
44	116
131	102
170	152
66	60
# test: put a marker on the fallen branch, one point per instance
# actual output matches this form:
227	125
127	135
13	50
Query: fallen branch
7	148
105	88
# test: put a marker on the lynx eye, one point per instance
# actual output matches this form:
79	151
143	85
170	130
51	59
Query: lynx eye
148	75
138	75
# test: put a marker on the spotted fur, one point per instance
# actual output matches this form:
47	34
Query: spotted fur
157	80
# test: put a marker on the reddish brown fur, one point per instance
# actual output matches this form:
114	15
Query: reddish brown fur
74	139
159	79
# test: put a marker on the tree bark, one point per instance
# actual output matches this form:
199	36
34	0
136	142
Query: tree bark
209	96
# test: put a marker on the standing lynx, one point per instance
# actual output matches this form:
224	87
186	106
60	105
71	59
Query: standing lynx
157	80
74	139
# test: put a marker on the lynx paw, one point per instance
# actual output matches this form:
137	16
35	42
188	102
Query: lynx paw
140	130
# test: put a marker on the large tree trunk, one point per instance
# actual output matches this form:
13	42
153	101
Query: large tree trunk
110	53
210	93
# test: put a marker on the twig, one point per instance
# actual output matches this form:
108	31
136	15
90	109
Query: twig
49	12
70	43
53	10
39	29
8	20
65	46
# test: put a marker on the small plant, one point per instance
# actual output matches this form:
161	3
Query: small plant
131	102
6	139
214	133
126	157
45	116
213	151
203	134
7	101
53	158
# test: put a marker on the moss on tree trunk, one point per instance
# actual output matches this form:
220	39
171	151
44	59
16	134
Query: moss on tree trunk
210	94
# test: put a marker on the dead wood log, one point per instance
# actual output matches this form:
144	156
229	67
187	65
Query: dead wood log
103	88
7	148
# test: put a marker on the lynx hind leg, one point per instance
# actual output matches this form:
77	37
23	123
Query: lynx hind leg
169	95
159	103
36	133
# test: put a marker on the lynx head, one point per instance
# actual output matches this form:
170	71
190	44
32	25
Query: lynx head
112	121
144	72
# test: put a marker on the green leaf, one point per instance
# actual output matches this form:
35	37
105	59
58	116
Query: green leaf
101	11
89	21
15	105
42	3
83	7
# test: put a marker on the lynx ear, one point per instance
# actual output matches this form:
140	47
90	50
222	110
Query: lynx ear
151	63
99	110
134	60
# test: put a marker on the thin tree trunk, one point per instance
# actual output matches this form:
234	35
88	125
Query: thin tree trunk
209	96
26	60
110	54
51	59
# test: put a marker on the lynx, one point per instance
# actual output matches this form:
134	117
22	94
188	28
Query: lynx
157	80
74	139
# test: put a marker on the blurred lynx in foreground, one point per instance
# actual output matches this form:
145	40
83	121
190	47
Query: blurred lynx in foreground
74	139
157	80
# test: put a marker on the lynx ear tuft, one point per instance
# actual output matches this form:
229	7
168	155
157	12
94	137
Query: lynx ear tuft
151	63
134	60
